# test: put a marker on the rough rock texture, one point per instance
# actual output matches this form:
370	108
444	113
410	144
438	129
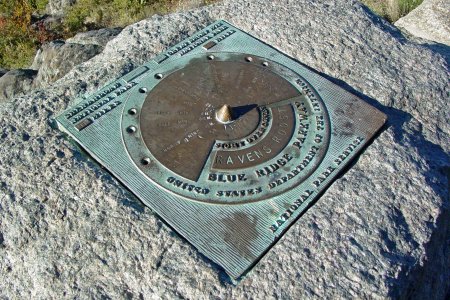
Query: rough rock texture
189	4
15	82
95	37
57	7
53	61
57	58
430	20
69	230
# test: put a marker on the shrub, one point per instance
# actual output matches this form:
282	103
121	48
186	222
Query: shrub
18	41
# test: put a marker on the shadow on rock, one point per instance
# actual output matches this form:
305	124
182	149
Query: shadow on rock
430	278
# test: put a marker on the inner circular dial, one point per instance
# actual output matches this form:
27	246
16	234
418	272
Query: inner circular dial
207	104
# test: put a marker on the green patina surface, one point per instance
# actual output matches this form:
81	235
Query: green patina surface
231	189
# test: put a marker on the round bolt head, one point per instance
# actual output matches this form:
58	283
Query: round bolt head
131	129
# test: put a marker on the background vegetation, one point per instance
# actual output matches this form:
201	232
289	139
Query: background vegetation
88	14
18	41
22	29
392	10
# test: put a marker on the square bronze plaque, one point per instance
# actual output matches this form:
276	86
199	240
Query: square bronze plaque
226	138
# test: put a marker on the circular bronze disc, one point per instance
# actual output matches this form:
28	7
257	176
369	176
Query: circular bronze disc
225	128
178	122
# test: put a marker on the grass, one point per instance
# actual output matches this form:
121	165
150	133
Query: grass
19	40
392	10
88	14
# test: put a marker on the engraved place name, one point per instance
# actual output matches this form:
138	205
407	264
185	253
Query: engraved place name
266	144
116	88
225	35
188	137
303	127
98	101
302	133
219	31
243	158
290	211
186	186
348	150
171	146
294	172
239	193
238	124
106	109
92	100
225	178
90	120
269	169
162	113
231	145
323	176
194	45
253	138
312	95
262	128
194	40
283	126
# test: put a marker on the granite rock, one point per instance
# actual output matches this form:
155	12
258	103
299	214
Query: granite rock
95	37
53	61
56	58
430	21
15	82
70	230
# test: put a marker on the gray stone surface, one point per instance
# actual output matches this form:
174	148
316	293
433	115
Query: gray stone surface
430	20
69	230
189	4
56	58
15	82
95	37
57	7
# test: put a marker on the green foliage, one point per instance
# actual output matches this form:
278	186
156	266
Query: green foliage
17	47
10	7
40	5
88	14
392	10
17	40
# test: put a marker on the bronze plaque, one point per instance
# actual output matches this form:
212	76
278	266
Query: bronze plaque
226	138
